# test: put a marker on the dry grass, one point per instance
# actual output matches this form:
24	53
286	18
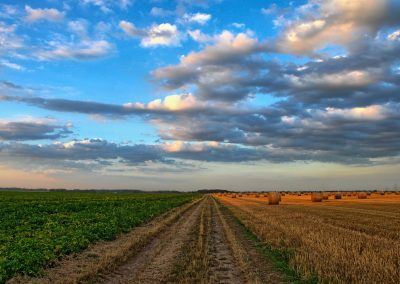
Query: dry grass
342	241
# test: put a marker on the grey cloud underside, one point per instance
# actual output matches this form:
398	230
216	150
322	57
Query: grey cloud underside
96	154
96	108
91	153
18	131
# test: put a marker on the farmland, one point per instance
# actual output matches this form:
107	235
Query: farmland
349	240
36	229
218	238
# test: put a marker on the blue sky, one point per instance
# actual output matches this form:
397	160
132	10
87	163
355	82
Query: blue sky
191	94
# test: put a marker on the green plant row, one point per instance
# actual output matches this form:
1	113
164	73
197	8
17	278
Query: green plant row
38	228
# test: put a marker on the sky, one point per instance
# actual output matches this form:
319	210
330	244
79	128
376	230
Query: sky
184	95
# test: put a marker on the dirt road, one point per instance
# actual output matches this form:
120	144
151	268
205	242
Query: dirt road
198	243
203	245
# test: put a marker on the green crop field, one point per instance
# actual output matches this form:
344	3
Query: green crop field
37	228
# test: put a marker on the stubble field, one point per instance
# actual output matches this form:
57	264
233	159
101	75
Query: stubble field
349	240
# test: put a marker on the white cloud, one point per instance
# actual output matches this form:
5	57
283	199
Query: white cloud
34	15
170	103
106	5
199	18
102	4
395	35
163	34
182	146
227	44
321	23
238	25
156	35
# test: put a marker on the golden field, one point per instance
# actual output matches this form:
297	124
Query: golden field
340	241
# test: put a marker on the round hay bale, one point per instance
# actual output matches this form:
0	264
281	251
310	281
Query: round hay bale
274	198
362	195
239	195
257	195
316	197
338	196
233	196
325	196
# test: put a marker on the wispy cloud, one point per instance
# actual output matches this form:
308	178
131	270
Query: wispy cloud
84	51
33	15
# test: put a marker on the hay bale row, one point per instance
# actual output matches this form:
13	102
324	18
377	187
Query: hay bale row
362	195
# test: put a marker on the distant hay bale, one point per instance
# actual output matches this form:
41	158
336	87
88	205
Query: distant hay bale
233	196
316	197
325	195
239	195
274	198
338	196
362	195
257	195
